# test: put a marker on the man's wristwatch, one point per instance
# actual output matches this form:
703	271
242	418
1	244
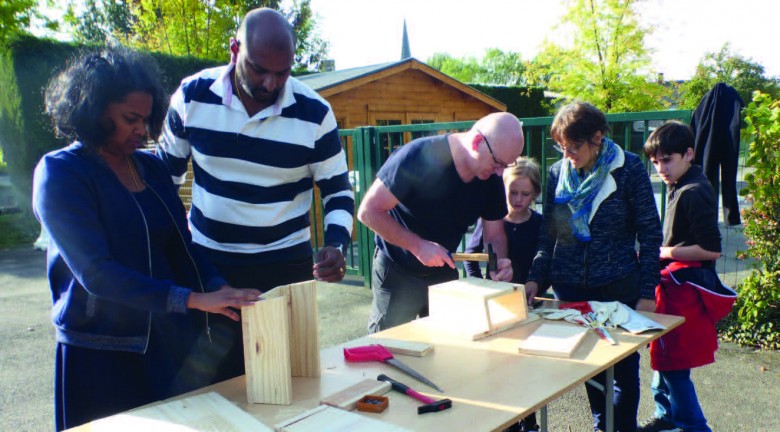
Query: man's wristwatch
340	246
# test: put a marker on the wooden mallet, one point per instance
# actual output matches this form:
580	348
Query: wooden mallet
431	405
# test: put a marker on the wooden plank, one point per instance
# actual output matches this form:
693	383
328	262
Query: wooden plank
347	399
335	420
266	331
304	335
203	412
302	318
402	347
553	340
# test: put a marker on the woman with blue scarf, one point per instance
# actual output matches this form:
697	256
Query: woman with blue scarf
599	205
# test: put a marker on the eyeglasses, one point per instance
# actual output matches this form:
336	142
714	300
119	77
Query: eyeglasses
572	150
493	155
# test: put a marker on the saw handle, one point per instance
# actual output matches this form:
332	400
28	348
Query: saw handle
367	353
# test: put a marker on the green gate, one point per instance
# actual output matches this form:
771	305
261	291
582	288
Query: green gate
368	147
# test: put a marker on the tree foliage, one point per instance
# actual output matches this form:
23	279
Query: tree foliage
496	67
733	69
15	17
463	69
196	28
758	304
606	63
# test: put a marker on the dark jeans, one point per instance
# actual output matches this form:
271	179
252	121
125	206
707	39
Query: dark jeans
227	342
400	296
626	398
676	400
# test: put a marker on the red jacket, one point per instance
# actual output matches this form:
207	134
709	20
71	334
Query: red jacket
697	294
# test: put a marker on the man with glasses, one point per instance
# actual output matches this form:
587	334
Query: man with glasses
424	199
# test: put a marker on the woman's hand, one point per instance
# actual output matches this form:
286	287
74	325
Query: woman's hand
224	300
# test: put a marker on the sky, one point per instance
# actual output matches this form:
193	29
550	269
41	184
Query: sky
366	32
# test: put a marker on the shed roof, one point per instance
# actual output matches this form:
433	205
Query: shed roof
331	83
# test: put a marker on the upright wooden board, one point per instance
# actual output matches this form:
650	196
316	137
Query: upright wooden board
203	412
304	337
266	331
477	308
327	418
554	340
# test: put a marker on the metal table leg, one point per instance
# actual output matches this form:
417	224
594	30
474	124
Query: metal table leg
543	419
609	393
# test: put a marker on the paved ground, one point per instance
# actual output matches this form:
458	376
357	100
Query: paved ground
739	392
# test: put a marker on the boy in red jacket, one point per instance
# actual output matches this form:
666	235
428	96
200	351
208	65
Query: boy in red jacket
689	285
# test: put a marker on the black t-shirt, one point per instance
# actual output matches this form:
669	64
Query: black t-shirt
522	239
434	202
692	213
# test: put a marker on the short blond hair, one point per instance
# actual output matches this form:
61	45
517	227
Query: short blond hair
526	167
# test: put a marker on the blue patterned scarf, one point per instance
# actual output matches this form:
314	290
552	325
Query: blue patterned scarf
579	192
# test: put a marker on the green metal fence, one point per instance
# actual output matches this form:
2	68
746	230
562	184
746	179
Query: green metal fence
368	147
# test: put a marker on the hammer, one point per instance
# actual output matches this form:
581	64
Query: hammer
430	406
489	257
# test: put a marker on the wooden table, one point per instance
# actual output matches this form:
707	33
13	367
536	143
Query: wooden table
490	384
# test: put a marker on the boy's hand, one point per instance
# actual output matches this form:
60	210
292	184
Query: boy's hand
645	305
531	289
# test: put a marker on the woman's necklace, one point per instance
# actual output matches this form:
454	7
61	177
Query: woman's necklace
132	175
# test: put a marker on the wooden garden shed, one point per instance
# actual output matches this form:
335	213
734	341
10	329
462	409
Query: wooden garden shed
402	92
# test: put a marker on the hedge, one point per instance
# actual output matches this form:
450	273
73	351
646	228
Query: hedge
26	65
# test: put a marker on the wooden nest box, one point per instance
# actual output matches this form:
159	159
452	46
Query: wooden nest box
280	342
477	308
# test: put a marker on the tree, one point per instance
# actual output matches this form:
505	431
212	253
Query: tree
495	68
502	68
197	28
463	69
15	17
607	61
733	69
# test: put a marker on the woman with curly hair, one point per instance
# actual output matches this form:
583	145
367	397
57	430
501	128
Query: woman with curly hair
131	297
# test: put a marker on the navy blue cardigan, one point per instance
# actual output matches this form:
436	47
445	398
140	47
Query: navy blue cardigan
626	217
99	262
